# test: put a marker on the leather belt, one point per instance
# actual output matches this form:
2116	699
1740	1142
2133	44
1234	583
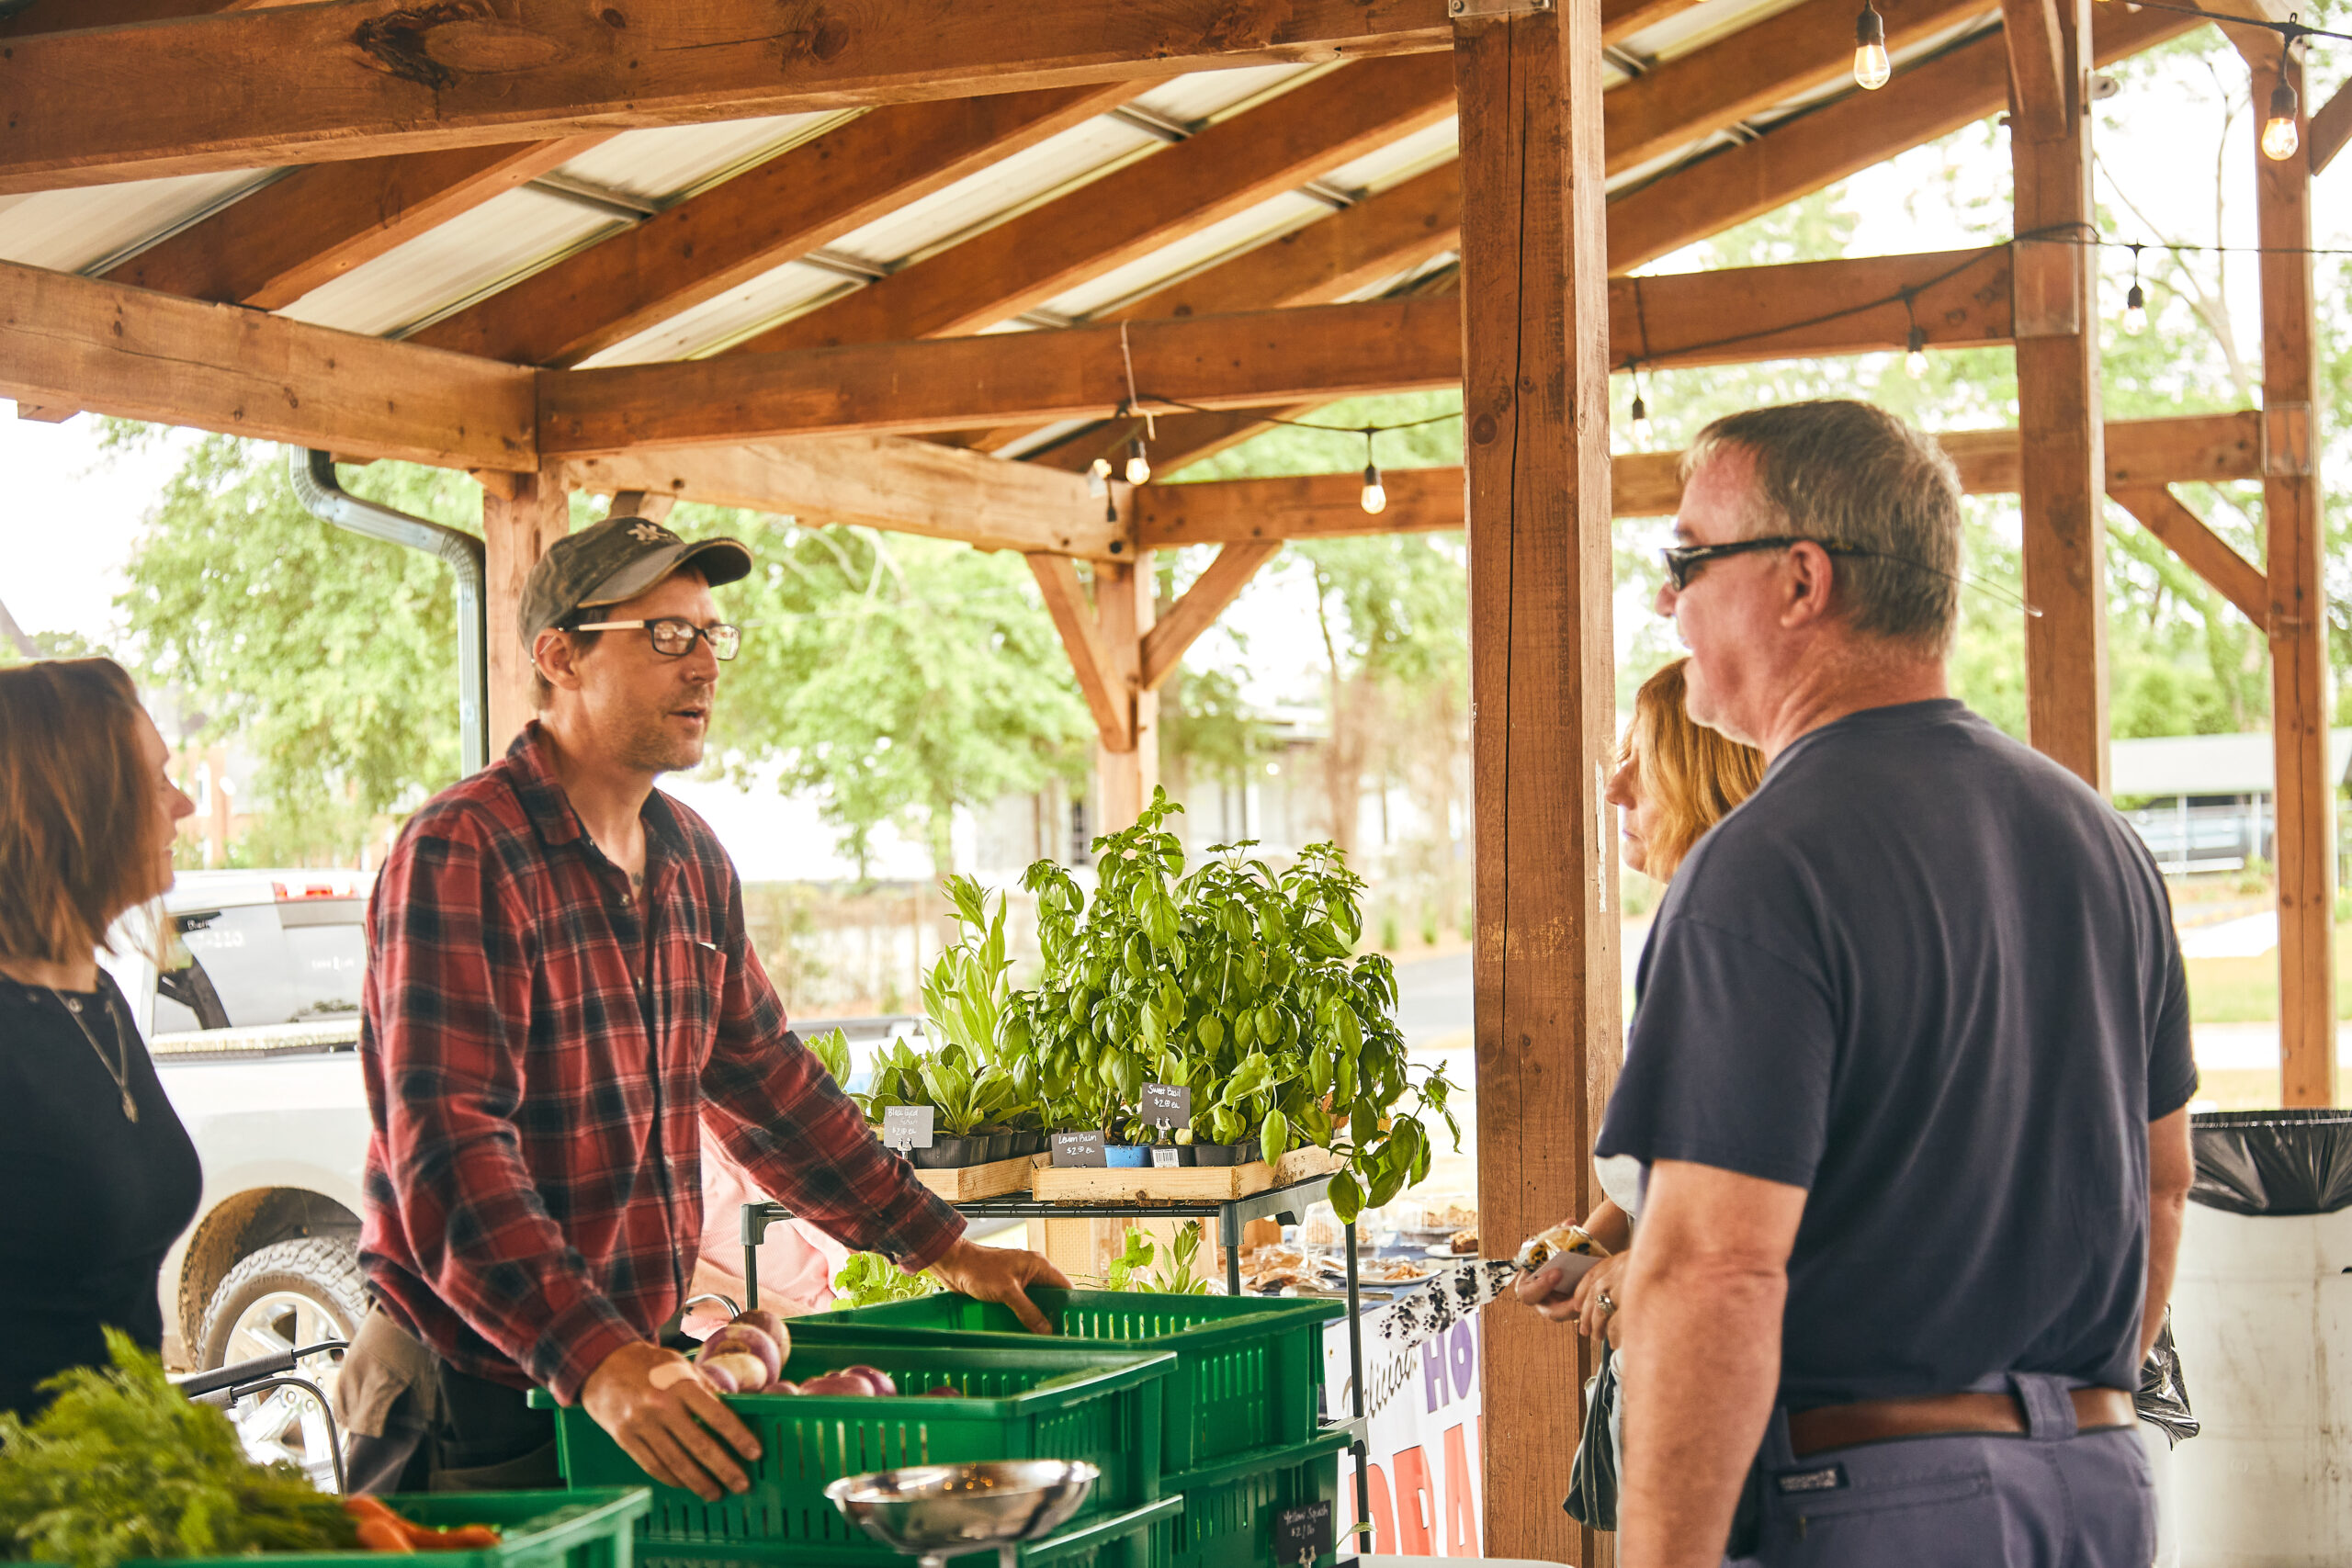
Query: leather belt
1943	1414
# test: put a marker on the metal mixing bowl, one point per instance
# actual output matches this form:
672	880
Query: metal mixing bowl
936	1510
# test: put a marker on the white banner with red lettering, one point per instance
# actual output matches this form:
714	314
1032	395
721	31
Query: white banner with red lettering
1426	1435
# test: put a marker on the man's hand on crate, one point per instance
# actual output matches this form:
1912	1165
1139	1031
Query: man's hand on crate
1000	1274
664	1417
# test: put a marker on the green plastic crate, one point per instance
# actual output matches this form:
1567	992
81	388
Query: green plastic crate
592	1527
1036	1402
1126	1540
1230	1508
1249	1373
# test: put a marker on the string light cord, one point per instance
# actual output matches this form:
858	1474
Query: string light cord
2292	29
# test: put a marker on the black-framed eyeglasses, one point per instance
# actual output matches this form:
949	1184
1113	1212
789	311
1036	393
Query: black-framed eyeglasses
674	636
1684	561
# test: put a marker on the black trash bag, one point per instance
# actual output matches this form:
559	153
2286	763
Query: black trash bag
2163	1399
2273	1162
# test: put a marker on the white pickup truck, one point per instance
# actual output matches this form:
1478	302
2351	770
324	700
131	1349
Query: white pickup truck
256	1038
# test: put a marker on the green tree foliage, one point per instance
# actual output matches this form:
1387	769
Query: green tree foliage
330	657
899	677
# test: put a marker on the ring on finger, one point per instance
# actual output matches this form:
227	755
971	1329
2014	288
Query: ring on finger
1607	1303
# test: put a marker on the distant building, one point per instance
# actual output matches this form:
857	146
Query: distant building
2202	803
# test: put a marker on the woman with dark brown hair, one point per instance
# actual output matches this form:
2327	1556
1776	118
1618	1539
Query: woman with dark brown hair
97	1177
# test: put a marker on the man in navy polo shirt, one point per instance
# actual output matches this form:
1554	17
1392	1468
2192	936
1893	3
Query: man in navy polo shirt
1909	1072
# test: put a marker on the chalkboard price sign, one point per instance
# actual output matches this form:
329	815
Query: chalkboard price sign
1302	1534
907	1127
1166	1104
1072	1149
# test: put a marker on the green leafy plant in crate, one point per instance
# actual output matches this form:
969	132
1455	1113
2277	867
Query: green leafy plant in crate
1238	981
971	1078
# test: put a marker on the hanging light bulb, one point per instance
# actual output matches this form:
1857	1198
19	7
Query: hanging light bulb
2280	136
1098	476
2135	311
1138	466
1374	498
1872	70
1914	353
1641	419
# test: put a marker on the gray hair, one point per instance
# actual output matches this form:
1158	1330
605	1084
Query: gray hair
1847	473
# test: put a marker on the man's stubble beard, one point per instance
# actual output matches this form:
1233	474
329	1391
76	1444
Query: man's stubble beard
650	747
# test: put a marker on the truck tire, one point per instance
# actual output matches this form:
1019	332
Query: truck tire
282	1296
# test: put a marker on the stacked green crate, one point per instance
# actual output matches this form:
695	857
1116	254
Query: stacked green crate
1031	1401
1243	1422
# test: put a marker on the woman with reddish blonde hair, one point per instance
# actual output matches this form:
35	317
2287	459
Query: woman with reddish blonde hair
1675	779
97	1177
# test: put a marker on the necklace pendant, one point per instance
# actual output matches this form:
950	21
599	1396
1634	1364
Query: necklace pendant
130	1107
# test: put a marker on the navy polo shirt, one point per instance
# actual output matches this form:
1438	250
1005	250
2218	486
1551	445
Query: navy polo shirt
1930	976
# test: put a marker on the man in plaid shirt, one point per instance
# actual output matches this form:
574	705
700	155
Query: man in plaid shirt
558	995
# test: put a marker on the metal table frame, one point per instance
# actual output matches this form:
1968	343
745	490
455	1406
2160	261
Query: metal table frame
1286	1203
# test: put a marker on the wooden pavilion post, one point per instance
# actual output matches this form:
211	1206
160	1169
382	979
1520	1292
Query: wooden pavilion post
1535	403
2299	705
522	515
2056	321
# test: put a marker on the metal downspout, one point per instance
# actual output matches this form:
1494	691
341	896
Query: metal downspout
324	497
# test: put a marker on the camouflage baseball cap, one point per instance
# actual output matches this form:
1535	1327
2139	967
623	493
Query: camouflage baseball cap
615	560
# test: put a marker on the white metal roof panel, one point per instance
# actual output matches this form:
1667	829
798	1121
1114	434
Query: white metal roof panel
1002	189
1249	226
444	267
67	231
658	163
716	322
1401	159
1204	95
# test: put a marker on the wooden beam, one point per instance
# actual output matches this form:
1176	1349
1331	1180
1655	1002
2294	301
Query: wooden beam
2204	552
1316	353
60	15
1090	658
1204	601
732	232
46	413
2331	126
1230	167
2291	501
2142	455
363	78
908	487
2062	491
1544	967
97	346
1803	154
653	505
1789	55
2043	103
1620	19
522	515
290	236
1124	775
1217	361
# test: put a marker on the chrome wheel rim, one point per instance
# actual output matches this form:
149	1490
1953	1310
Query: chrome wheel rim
287	1424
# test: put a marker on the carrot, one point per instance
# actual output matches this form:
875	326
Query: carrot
462	1537
375	1535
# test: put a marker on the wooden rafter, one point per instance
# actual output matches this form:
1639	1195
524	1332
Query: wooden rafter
1227	169
2038	74
1251	360
732	232
1204	601
910	487
81	343
58	16
362	78
2206	553
2143	456
2331	125
1091	658
286	238
1803	154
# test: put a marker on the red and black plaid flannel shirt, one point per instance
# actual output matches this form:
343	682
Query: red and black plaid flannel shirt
534	1188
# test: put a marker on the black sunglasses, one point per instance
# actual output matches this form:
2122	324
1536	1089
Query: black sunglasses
1684	561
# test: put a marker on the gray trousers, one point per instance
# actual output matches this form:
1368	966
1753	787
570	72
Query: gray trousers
2052	1498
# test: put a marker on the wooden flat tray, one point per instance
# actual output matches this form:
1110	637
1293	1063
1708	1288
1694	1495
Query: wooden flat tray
968	1183
1186	1184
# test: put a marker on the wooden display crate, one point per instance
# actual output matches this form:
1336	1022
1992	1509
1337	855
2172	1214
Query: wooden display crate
1185	1184
969	1183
